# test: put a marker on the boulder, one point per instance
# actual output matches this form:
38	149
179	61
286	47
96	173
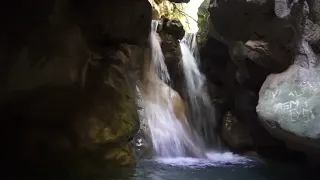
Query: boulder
289	100
173	27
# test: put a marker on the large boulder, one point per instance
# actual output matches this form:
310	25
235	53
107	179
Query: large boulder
264	37
288	103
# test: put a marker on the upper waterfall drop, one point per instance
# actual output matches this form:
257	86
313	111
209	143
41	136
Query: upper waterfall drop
157	62
200	110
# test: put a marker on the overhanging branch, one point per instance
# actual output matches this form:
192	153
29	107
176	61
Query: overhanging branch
185	14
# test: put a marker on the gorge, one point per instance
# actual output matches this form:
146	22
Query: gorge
160	89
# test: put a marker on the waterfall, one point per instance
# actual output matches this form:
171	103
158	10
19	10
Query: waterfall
200	111
158	63
163	109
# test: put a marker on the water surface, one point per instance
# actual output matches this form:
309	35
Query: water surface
225	166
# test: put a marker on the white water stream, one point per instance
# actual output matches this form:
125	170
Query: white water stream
173	140
200	111
163	110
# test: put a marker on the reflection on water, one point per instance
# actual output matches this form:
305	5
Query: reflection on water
225	168
219	166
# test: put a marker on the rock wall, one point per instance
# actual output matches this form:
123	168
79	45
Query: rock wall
251	40
68	73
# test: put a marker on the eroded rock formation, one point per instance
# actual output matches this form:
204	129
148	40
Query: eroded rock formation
171	33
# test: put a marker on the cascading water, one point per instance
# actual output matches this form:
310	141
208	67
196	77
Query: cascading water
200	111
157	64
162	114
163	110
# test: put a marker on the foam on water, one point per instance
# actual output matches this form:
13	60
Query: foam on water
212	159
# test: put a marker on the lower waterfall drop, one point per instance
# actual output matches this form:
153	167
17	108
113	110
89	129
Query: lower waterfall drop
200	110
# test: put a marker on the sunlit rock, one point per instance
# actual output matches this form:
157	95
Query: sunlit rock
185	12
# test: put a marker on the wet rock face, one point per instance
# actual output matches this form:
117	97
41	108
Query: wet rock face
68	73
234	133
173	27
170	33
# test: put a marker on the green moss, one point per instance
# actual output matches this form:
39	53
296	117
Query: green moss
203	21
